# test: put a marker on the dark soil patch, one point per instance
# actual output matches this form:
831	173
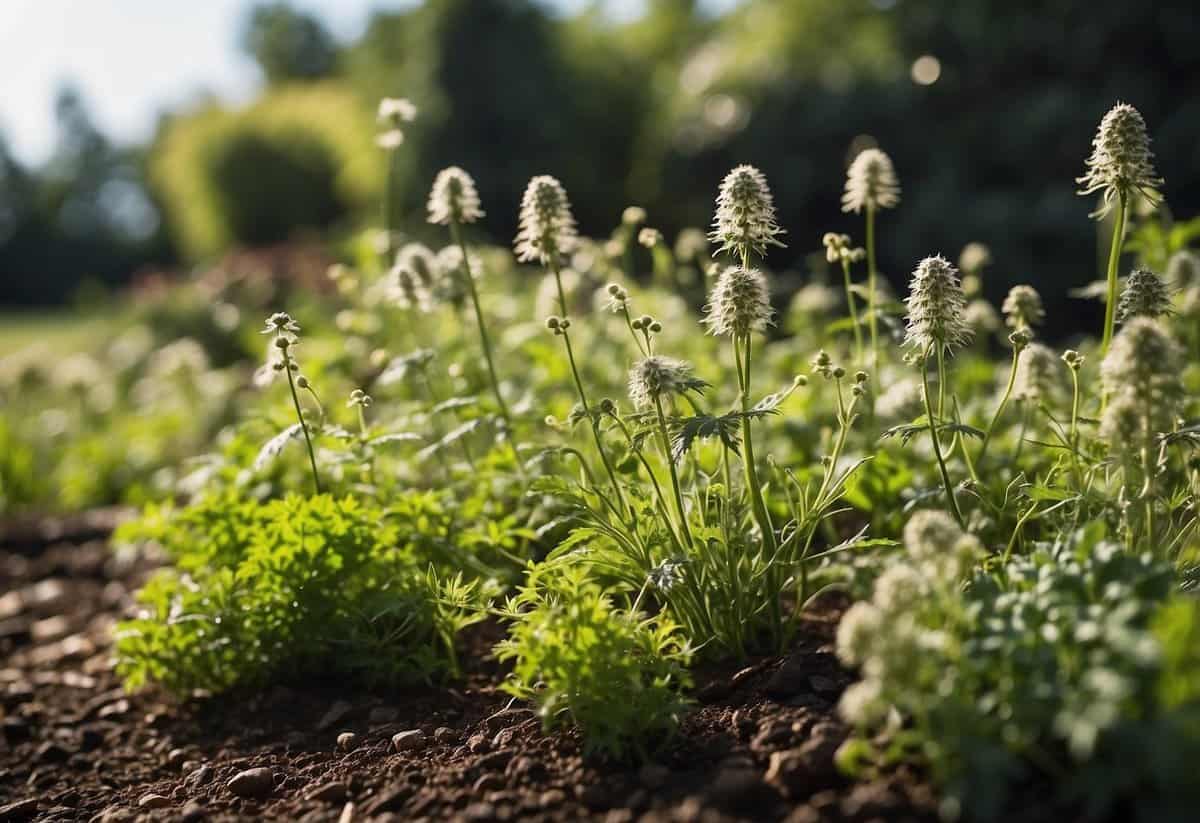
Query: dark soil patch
758	746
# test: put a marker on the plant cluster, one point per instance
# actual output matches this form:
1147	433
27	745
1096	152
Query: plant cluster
446	427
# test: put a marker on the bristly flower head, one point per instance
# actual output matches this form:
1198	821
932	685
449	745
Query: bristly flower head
1145	295
417	258
745	218
1039	370
1121	161
936	307
739	303
547	227
871	182
1183	269
408	291
1023	308
658	376
282	324
1143	361
393	114
454	198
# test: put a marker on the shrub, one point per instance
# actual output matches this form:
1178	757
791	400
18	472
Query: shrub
583	660
300	157
291	586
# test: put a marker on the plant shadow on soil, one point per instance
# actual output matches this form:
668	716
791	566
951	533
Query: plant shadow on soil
757	745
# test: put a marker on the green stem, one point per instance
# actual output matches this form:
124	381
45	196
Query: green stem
753	489
1114	259
666	447
858	343
872	273
937	446
389	207
1012	378
456	234
312	455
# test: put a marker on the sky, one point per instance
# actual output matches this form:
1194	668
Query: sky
134	58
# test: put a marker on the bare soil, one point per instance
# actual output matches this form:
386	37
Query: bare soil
759	744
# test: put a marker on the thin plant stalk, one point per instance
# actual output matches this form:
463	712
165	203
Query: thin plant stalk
595	423
872	274
858	343
456	234
937	446
312	455
666	446
1114	259
1012	378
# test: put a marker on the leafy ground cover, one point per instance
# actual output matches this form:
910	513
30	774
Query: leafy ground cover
617	489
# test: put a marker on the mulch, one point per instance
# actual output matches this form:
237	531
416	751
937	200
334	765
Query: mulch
759	744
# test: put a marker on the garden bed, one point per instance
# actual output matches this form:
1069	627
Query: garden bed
758	745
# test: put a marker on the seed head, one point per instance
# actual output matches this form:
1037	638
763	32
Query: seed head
633	216
739	303
658	376
408	291
547	227
745	218
1037	372
417	258
871	182
930	534
838	249
857	633
1145	295
282	324
650	237
898	587
454	198
1121	161
1144	362
981	316
1183	269
393	114
974	257
1023	308
936	305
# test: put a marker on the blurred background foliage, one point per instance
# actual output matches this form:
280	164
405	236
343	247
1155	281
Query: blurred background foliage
988	109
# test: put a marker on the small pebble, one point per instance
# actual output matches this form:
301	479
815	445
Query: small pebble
154	801
346	741
408	741
255	783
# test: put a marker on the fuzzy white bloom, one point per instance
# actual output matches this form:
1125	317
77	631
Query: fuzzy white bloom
451	286
936	307
1140	373
857	633
417	258
871	182
1143	358
654	377
547	227
862	704
745	218
408	291
974	257
1039	372
1023	308
1183	269
981	316
454	198
691	245
739	303
898	588
930	534
393	113
1145	295
1121	161
633	215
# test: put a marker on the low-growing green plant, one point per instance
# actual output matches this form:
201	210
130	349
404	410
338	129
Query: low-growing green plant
1021	674
297	585
613	672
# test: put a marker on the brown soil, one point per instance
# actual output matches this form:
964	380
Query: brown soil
758	746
